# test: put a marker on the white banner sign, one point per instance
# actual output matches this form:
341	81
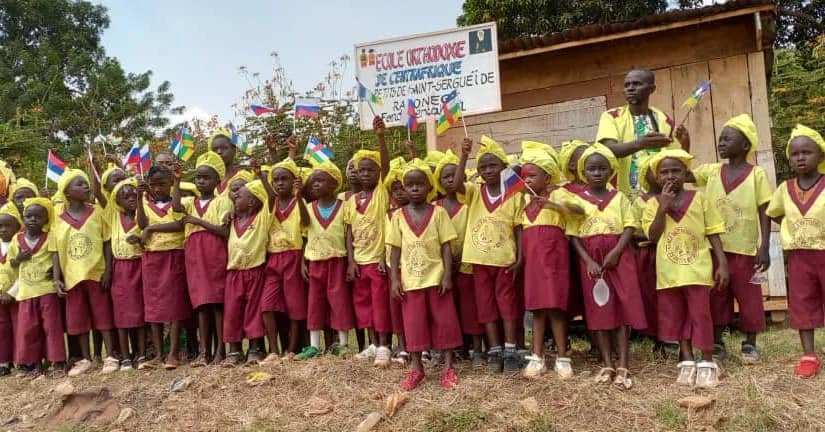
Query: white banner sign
427	67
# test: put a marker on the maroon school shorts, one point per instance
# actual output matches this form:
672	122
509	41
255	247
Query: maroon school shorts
371	299
242	305
127	293
8	318
39	331
330	302
546	268
466	300
430	320
646	263
684	314
206	257
88	306
495	294
165	297
806	288
748	296
284	288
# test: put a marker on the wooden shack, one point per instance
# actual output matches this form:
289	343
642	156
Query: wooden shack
555	87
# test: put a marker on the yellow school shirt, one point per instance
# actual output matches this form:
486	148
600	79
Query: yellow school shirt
617	124
364	212
489	239
223	188
534	215
35	275
738	202
213	211
638	208
79	244
121	227
803	222
421	263
285	230
157	215
458	216
325	238
8	274
683	255
609	216
248	241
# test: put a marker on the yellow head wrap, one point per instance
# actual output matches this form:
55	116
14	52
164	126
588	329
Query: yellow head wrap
219	132
602	150
287	164
131	181
420	165
566	153
6	177
489	146
257	189
366	154
677	154
214	161
305	173
9	209
65	180
244	175
801	130
449	159
46	204
743	123
542	156
330	168
396	173
23	183
110	169
191	188
433	157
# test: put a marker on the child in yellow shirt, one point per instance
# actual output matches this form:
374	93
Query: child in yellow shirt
420	235
685	226
220	142
10	224
799	206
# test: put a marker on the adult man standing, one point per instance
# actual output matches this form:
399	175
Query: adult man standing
637	129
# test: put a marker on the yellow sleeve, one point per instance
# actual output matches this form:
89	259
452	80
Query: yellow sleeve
227	208
393	234
188	204
519	211
348	213
763	187
629	219
702	173
574	221
607	128
714	224
446	231
648	214
776	208
470	191
51	242
13	250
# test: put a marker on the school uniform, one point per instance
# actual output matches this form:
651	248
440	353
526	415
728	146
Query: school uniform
738	203
576	305
396	311
646	268
490	247
163	267
79	245
329	300
206	252
245	276
284	288
223	188
364	213
430	318
39	329
684	268
8	313
803	235
127	286
599	230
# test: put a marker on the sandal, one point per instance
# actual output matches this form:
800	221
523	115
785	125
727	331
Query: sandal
687	373
622	380
605	375
808	366
402	359
254	357
172	362
232	360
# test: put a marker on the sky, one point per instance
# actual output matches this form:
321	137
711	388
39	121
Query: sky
198	45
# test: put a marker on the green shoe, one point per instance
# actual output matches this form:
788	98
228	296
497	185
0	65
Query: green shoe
342	351
308	353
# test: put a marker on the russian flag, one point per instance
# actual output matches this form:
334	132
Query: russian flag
511	183
261	109
409	117
307	107
54	167
132	161
145	158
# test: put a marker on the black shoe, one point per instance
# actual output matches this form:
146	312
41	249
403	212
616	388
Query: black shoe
4	370
495	363
512	362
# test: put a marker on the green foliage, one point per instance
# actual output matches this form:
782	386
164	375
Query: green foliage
799	24
456	421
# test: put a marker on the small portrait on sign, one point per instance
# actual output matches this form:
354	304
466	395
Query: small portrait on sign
480	41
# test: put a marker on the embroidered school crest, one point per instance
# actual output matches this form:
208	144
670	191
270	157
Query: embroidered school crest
598	225
682	246
414	262
279	240
488	234
80	245
365	233
322	246
32	274
731	214
808	233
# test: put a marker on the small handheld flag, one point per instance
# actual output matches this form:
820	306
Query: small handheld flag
316	152
183	145
261	109
697	94
366	94
145	158
239	141
132	161
307	107
511	183
54	168
409	117
450	112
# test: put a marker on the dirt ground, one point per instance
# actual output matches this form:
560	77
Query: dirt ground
329	394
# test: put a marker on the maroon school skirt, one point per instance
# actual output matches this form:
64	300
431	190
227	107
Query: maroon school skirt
546	268
646	263
8	317
624	306
127	293
206	257
165	298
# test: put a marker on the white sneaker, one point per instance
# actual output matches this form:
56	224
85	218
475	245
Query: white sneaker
80	368
110	365
367	354
687	373
564	367
382	357
536	366
707	374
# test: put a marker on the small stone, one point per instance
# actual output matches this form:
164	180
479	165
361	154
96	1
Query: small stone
695	402
530	405
125	414
180	384
65	388
369	423
394	402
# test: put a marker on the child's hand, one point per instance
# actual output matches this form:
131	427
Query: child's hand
6	299
304	270
256	167
655	140
46	193
176	172
146	235
106	281
573	208
191	220
24	255
378	125
466	147
763	259
668	196
60	288
721	276
446	284
292	143
611	260
410	145
353	272
228	218
133	240
395	290
142	187
515	267
298	188
382	267
681	134
113	159
594	270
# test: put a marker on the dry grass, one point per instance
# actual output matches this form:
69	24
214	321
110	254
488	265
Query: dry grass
754	398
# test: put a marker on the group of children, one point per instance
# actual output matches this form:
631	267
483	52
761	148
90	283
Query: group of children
418	253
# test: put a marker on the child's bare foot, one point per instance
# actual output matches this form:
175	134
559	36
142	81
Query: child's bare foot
289	356
232	360
218	359
172	362
254	357
271	359
200	361
144	364
622	380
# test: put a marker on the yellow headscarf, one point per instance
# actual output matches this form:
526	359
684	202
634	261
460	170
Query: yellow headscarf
9	209
131	181
6	177
743	123
305	173
449	159
433	157
287	164
191	188
489	146
542	156
678	154
395	174
366	154
46	204
257	188
566	153
65	179
420	165
104	178
601	149
219	132
244	175
23	183
214	161
330	168
802	130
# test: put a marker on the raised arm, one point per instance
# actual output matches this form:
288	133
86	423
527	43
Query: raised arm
466	148
379	128
140	214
